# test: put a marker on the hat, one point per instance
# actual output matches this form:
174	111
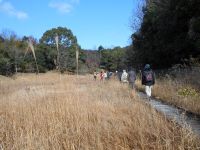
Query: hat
147	66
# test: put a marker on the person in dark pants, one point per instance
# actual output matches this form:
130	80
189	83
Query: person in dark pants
131	78
119	74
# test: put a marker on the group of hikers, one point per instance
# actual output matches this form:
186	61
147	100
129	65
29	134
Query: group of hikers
103	75
147	78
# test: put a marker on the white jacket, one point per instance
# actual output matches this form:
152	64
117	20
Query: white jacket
124	76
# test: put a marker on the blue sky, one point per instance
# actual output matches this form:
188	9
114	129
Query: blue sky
93	22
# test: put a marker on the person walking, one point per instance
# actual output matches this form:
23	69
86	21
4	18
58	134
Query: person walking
105	76
124	77
101	75
148	79
95	75
118	75
131	78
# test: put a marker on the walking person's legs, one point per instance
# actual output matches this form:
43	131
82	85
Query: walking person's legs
131	85
148	91
150	87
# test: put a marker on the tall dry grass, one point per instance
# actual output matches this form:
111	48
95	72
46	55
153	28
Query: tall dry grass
62	112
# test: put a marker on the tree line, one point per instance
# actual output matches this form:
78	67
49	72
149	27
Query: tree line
169	34
15	56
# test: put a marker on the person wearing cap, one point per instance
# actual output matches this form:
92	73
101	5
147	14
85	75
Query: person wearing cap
148	79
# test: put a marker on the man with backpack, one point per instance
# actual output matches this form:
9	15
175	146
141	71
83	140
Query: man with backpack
148	79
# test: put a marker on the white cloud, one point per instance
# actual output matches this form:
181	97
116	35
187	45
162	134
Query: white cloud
8	8
62	7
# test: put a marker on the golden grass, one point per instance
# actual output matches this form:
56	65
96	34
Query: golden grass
178	93
50	111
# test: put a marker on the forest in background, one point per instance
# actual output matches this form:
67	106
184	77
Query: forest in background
167	34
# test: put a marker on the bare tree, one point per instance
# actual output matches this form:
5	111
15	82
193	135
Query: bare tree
138	15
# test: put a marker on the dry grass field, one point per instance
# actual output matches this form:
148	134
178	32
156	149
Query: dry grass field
52	111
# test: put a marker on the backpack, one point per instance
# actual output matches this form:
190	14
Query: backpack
149	77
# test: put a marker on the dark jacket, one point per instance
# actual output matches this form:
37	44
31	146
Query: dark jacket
119	74
145	72
131	76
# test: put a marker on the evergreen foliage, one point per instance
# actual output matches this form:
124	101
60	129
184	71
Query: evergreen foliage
169	34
